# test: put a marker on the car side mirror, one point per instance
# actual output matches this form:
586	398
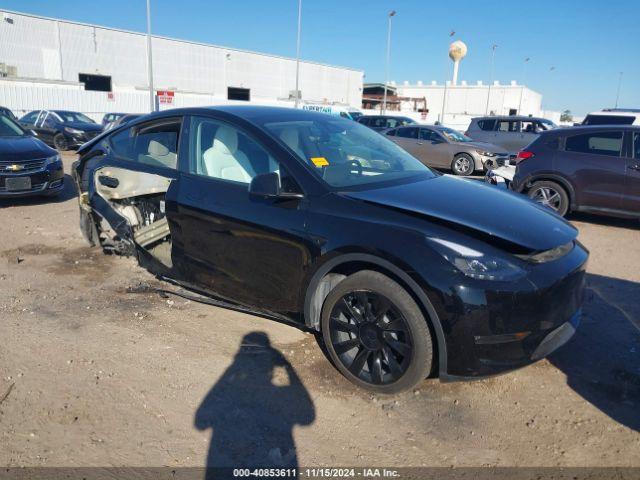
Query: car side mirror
267	185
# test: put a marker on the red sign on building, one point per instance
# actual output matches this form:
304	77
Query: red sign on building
165	97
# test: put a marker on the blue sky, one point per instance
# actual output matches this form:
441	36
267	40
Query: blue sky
587	41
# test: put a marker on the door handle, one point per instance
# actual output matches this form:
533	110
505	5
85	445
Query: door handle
108	181
420	143
635	167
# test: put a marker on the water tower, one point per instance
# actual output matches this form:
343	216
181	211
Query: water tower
457	51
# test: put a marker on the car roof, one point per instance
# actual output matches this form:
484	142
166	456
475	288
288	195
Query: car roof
509	117
588	128
250	113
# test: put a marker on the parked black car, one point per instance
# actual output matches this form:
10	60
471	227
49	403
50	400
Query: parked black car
382	122
61	128
319	220
110	118
126	118
593	169
27	166
5	111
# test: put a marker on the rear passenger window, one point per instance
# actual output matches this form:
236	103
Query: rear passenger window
487	125
407	132
600	143
154	144
508	126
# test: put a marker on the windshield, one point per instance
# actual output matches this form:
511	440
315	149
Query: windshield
74	117
344	153
548	124
454	136
9	128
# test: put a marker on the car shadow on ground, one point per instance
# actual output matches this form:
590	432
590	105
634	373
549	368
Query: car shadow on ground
253	408
630	223
68	192
602	360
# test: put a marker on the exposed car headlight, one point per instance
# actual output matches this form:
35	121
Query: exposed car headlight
485	154
477	264
53	159
73	131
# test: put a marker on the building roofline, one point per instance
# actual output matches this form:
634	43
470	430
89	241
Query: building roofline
192	42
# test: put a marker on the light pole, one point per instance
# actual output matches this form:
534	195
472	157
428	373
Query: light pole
392	13
298	54
152	103
619	85
493	57
524	75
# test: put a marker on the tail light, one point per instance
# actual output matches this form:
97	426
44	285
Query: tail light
523	155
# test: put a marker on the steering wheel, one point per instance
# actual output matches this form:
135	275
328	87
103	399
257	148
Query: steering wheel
358	166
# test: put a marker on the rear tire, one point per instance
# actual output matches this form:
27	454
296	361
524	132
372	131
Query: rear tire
463	165
551	195
375	333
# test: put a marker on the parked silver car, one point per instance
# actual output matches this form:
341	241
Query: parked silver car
512	133
442	147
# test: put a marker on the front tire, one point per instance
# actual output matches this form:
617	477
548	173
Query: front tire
463	165
60	142
551	195
376	334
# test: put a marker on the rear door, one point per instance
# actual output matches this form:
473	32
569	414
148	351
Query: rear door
132	184
249	250
631	201
407	138
507	135
595	164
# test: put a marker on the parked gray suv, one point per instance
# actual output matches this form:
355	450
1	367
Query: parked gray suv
512	133
594	169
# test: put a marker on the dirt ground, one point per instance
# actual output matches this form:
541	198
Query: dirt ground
92	375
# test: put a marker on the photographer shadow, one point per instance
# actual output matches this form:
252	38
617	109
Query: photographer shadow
252	410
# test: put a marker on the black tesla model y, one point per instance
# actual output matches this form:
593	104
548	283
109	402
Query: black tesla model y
405	272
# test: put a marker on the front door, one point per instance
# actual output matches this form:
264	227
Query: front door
631	201
245	249
435	149
595	164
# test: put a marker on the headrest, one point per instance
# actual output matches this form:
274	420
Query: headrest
157	149
290	137
226	139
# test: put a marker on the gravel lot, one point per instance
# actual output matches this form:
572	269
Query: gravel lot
92	375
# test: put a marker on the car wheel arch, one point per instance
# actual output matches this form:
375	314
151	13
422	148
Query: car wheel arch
563	182
329	274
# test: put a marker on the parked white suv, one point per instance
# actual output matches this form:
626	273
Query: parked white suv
613	116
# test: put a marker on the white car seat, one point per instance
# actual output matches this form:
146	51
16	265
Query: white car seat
224	160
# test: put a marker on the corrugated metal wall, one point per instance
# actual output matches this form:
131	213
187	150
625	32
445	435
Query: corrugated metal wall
58	50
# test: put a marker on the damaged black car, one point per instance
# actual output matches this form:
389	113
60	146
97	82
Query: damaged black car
303	216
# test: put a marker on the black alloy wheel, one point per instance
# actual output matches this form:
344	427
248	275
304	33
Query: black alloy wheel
376	335
60	142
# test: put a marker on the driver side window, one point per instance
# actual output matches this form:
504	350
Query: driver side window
220	150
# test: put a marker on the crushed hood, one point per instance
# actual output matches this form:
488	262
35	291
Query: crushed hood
475	206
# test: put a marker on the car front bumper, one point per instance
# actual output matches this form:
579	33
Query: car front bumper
46	181
494	327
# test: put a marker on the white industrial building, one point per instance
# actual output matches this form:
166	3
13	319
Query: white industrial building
56	64
455	105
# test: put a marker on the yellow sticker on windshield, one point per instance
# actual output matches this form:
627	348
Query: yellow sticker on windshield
319	161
